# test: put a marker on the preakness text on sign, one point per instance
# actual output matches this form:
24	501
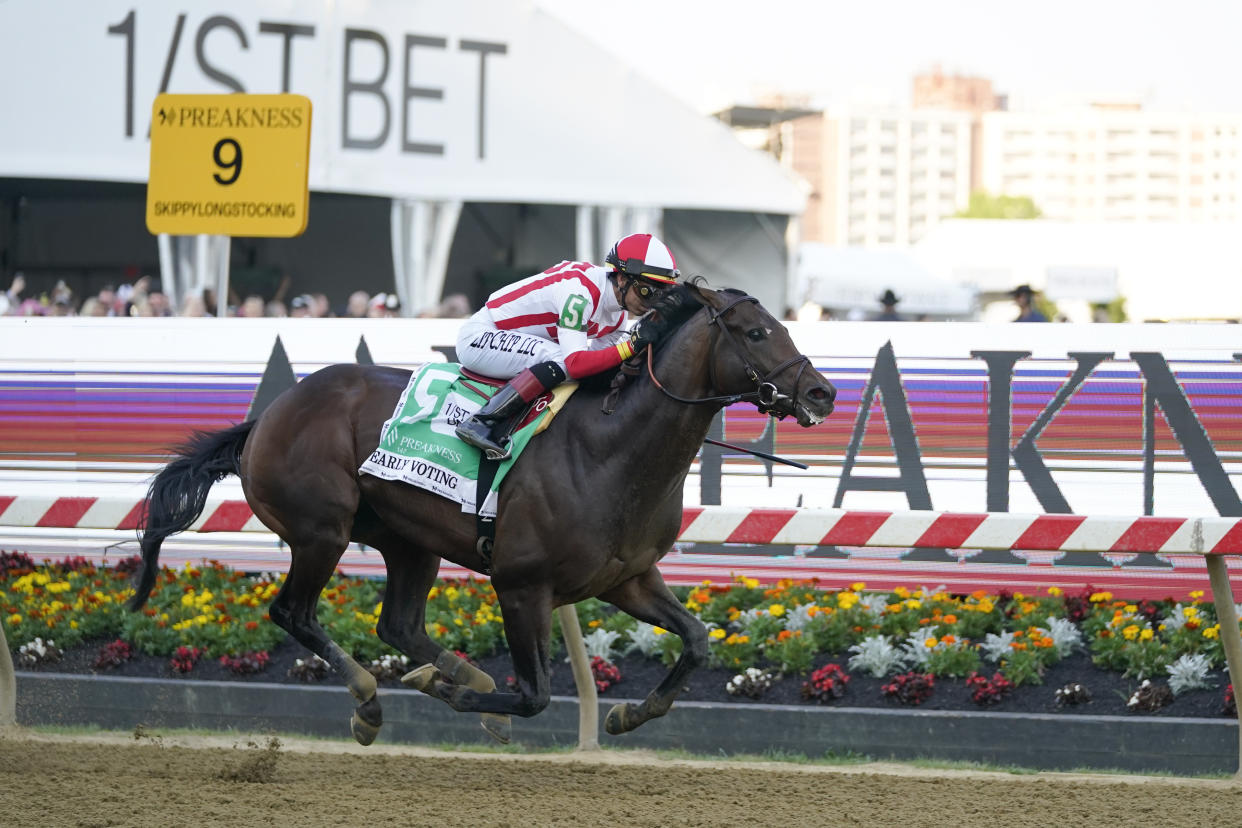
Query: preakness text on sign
233	165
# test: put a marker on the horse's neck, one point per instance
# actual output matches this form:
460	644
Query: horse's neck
663	433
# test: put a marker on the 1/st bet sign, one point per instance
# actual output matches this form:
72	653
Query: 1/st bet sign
231	165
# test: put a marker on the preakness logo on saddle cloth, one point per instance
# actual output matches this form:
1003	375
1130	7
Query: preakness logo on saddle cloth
418	444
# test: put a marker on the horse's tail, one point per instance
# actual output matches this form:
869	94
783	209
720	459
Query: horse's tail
179	492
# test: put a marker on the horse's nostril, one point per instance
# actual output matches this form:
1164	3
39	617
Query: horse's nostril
822	395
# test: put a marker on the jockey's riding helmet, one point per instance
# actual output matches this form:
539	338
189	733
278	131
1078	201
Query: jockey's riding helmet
644	256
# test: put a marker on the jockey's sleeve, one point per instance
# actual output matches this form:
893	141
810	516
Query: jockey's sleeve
581	361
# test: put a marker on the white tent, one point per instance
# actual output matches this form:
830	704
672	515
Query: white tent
431	104
1164	270
850	280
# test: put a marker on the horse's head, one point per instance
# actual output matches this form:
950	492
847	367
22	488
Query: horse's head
753	357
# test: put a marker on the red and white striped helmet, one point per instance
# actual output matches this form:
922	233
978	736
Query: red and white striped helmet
643	255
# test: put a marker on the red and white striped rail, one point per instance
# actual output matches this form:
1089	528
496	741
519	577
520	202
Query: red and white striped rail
719	524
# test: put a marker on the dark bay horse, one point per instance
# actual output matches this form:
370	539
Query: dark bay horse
587	511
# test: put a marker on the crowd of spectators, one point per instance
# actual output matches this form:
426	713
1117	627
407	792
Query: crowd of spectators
145	297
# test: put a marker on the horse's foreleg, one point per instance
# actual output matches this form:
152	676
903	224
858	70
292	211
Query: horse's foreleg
401	624
528	627
293	609
647	598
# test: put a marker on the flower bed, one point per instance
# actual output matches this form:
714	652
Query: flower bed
794	643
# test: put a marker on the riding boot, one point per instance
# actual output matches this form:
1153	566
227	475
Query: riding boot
489	429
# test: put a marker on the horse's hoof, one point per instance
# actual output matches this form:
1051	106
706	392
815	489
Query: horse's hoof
421	678
497	726
615	721
364	732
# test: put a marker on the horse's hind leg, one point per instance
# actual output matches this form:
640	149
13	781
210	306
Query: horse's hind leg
647	598
402	625
293	610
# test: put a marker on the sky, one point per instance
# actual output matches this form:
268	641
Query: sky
1166	55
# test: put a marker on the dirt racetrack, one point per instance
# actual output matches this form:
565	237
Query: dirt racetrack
178	780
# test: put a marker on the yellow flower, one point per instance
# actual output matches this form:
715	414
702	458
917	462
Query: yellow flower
1146	635
1131	608
914	603
845	600
1055	592
693	606
734	613
777	610
930	642
717	634
985	605
14	620
1099	597
1211	632
1131	632
858	586
1190	612
1197	594
750	583
659	631
901	592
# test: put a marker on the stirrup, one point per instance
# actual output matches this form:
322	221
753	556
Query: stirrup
483	442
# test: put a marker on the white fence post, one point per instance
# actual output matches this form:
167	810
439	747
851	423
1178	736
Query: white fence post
588	699
8	685
1227	618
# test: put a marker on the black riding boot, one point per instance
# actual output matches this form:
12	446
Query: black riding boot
489	429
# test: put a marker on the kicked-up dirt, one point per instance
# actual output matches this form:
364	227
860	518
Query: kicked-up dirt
148	779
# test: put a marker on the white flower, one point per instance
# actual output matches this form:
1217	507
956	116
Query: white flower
995	647
1065	635
876	655
599	643
644	639
1190	672
798	617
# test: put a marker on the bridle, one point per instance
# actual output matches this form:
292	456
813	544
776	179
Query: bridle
766	395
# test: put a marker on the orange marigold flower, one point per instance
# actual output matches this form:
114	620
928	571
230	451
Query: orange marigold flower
784	635
950	619
1018	645
949	638
252	625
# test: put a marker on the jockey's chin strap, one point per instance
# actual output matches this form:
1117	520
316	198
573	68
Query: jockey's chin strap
766	395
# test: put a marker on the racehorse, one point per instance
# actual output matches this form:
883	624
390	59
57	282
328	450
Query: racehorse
587	510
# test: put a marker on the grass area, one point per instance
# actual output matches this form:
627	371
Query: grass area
828	759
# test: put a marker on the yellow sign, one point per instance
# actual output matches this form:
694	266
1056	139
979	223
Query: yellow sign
233	165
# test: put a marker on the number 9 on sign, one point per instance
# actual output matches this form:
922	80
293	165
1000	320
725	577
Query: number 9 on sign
230	149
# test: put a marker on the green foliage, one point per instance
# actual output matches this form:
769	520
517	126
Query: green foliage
985	206
792	651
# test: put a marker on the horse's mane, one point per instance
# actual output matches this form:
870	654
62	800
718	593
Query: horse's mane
686	299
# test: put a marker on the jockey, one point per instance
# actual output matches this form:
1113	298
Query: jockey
568	321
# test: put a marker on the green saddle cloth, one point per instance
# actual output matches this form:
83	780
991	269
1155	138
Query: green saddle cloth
419	445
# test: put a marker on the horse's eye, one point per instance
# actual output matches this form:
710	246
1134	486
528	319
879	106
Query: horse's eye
757	334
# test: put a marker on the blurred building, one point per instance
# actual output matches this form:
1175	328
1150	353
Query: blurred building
880	177
1116	163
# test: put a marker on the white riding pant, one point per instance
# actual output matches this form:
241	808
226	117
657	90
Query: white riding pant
501	354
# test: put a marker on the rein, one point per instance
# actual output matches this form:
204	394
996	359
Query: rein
765	396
